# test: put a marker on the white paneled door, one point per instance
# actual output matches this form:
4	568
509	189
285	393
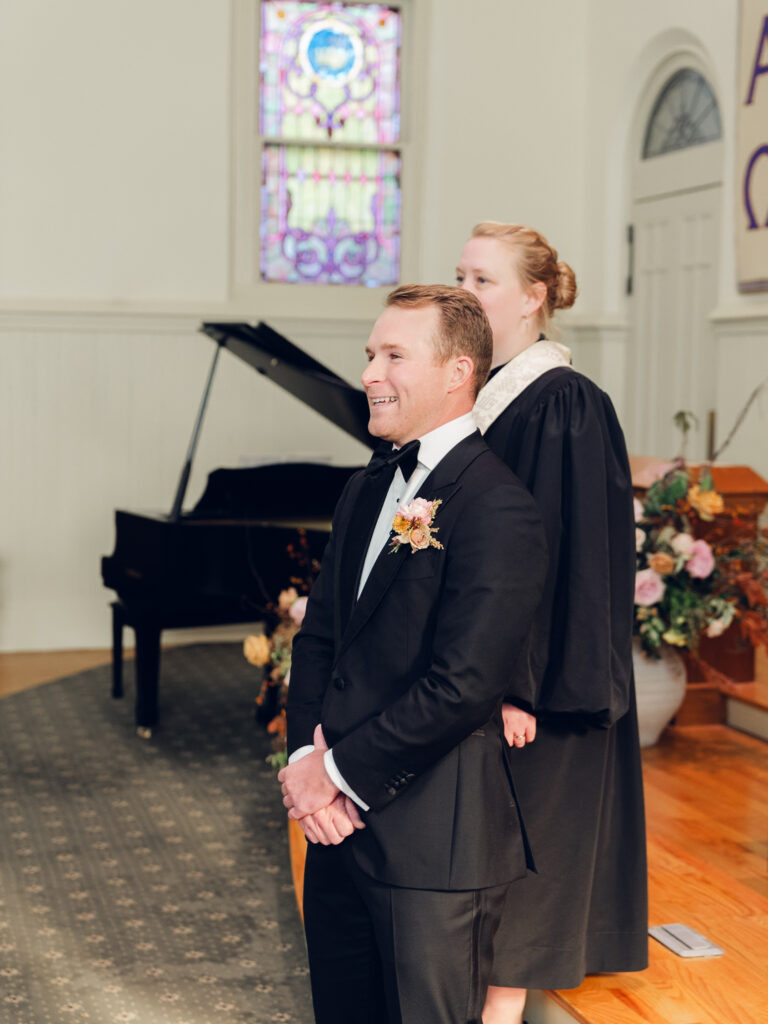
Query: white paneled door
674	290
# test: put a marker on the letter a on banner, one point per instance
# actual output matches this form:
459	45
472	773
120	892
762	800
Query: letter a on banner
752	148
758	68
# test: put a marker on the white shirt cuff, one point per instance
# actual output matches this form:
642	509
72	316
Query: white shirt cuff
300	752
338	780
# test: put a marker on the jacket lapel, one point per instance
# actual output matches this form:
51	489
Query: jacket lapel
364	508
442	483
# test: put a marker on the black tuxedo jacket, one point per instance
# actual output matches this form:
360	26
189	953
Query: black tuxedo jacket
407	681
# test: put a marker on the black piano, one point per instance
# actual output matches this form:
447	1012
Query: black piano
226	560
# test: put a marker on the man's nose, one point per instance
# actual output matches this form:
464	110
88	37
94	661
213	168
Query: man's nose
370	374
467	286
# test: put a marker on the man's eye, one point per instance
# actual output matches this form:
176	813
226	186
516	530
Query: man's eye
459	279
482	280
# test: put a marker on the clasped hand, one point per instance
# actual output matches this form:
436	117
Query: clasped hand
325	815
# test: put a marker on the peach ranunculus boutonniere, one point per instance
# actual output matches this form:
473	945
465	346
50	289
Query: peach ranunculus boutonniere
413	525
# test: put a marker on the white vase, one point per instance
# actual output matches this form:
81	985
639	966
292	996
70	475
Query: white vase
660	688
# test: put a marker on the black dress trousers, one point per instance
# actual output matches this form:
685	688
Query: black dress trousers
380	954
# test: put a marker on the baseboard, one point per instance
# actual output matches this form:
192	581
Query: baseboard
236	632
747	718
541	1008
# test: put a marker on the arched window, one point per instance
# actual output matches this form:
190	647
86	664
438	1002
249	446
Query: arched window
685	114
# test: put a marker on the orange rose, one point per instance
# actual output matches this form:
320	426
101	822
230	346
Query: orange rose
257	650
419	538
278	726
708	504
662	563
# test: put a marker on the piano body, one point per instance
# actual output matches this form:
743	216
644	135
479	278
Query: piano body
227	559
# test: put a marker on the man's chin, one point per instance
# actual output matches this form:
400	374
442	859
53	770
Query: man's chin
384	431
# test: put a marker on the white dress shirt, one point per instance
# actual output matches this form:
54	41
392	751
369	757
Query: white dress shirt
433	447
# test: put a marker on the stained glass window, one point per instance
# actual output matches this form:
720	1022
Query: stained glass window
685	114
330	124
330	215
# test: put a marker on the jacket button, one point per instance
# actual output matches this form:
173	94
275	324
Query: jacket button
391	791
339	683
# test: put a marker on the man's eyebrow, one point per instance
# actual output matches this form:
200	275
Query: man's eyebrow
384	346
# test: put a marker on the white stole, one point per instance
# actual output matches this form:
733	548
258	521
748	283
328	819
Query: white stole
514	378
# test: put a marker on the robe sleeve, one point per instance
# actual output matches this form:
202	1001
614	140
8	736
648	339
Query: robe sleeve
570	453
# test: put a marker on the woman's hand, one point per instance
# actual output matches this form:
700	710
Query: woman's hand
519	726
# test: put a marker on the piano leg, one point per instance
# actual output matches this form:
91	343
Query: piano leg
118	622
147	672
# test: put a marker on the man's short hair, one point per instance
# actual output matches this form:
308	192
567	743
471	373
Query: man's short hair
464	329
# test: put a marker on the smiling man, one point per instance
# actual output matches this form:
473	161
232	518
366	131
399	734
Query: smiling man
399	772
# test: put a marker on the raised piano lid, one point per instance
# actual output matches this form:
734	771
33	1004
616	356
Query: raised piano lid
314	384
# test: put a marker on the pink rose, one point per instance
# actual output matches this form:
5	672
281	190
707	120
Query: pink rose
682	544
649	587
298	610
702	561
638	510
420	509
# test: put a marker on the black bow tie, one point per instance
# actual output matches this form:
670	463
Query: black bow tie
387	457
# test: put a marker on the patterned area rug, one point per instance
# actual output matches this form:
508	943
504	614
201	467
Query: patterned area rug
146	881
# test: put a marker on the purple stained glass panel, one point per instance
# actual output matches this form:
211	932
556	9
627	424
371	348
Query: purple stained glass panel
330	71
330	216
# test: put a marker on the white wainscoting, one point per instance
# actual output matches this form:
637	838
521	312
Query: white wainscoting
599	350
96	412
741	347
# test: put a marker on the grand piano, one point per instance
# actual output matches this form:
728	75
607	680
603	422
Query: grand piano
226	560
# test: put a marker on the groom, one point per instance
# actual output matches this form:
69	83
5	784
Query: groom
399	770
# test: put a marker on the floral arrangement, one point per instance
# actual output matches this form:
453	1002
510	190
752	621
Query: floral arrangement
273	654
413	525
697	573
272	650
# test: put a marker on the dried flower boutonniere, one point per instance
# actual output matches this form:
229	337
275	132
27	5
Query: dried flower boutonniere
413	525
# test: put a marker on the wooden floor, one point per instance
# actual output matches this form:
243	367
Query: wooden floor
23	669
707	812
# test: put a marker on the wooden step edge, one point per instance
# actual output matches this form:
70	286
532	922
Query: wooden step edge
754	694
551	1008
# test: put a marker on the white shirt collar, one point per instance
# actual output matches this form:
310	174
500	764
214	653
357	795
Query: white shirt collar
435	445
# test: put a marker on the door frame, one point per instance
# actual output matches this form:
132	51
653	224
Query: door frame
687	170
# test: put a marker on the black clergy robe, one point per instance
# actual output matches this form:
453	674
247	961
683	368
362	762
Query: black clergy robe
580	782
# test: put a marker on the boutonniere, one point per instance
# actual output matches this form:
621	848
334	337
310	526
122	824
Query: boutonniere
413	525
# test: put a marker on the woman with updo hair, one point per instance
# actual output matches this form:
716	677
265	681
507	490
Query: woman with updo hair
569	713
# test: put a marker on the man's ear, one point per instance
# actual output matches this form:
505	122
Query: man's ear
463	371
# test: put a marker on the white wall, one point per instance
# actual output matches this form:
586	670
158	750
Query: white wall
505	124
115	150
116	239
